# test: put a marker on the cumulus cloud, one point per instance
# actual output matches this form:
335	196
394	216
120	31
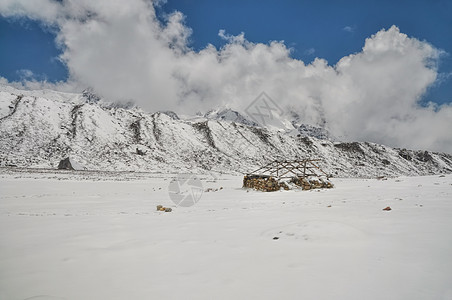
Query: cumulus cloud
43	10
121	50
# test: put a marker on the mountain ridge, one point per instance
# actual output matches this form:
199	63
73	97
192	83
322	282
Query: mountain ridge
39	128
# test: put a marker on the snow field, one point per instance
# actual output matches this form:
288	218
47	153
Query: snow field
67	238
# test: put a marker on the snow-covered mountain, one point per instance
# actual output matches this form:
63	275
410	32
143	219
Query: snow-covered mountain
39	128
229	115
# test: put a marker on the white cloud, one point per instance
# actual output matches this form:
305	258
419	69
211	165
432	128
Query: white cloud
349	28
309	51
33	84
25	74
121	50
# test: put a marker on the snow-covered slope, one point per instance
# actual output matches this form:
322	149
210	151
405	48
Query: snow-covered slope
227	114
39	128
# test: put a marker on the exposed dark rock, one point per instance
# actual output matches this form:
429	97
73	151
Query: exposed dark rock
424	156
263	135
155	129
350	147
13	108
203	128
171	114
385	162
306	140
75	112
65	164
70	164
90	96
317	132
140	152
375	148
405	154
136	130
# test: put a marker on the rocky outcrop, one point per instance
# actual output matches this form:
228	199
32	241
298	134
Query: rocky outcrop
272	184
65	164
70	164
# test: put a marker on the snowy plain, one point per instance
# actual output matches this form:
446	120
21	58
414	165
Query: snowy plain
80	235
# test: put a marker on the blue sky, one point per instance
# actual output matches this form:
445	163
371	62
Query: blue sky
122	51
325	29
26	46
332	29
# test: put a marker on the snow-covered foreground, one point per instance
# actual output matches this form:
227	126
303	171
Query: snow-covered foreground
97	238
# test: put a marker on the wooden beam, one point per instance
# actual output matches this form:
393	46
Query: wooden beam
282	168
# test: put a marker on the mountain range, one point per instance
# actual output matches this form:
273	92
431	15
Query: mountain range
40	128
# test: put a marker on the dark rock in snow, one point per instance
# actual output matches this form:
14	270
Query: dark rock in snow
385	162
424	156
70	164
313	131
350	147
65	164
171	114
405	154
140	152
90	95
